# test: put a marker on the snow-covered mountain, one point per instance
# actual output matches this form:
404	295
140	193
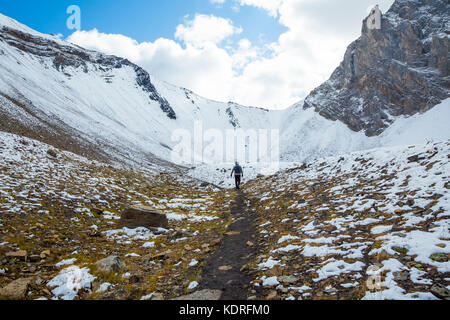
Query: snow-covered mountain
93	103
107	108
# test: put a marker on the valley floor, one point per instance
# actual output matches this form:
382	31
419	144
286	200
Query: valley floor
368	225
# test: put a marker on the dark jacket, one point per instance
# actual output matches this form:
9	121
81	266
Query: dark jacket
237	170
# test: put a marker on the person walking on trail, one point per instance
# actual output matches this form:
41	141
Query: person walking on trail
238	175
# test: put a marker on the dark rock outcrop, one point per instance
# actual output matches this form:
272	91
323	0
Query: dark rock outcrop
233	120
135	217
400	69
143	80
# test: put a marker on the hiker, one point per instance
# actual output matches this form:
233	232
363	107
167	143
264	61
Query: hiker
238	174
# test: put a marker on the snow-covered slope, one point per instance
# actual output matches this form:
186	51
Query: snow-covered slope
307	135
368	225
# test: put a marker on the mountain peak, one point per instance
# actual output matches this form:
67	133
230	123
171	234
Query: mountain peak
399	69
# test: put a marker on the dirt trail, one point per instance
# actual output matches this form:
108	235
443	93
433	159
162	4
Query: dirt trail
235	253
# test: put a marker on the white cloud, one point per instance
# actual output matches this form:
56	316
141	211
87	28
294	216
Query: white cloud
319	32
275	75
204	29
271	6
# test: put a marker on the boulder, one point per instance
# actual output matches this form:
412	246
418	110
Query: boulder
415	158
441	292
401	276
16	290
135	217
21	254
44	254
162	256
288	279
439	257
111	264
157	297
272	295
52	153
215	242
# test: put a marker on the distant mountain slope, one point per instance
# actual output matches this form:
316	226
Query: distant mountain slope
307	135
314	138
401	69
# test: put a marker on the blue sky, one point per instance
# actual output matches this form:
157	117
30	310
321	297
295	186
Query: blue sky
142	20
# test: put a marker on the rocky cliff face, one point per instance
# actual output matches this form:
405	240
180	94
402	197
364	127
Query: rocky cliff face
400	69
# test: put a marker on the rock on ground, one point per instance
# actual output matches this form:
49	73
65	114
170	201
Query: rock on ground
111	264
135	217
16	290
441	292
